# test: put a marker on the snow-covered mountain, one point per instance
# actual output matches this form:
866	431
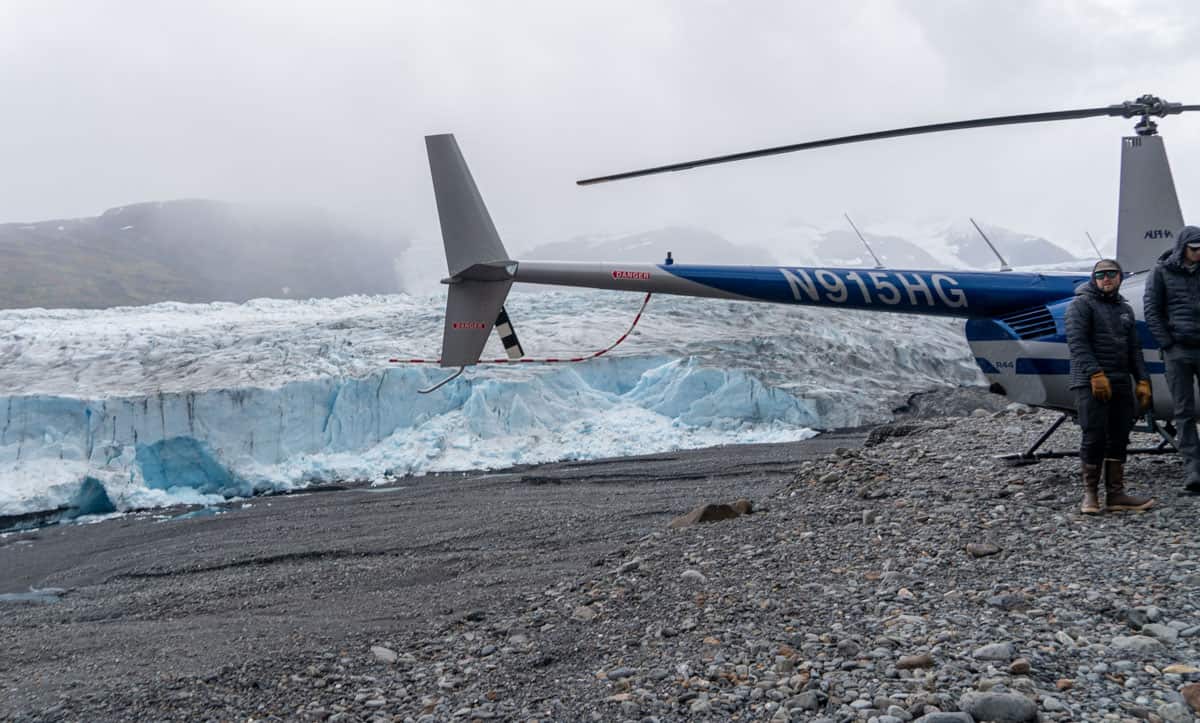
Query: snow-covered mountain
948	245
951	245
687	245
145	406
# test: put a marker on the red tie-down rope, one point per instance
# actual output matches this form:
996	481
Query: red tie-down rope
546	360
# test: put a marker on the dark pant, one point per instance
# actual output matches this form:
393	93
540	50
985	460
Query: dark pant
1105	425
1183	367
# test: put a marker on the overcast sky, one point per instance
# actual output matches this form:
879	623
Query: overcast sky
114	102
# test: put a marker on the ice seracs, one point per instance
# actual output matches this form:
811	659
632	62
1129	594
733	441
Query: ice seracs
148	406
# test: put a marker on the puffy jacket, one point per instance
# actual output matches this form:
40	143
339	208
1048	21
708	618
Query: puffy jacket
1102	336
1172	299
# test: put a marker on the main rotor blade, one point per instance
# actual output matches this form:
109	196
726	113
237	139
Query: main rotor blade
1112	110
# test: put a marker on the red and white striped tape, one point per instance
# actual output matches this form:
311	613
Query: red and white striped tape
546	360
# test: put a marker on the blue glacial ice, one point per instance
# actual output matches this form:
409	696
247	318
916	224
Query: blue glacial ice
151	406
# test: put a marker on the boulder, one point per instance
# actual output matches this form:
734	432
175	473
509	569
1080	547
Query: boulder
704	513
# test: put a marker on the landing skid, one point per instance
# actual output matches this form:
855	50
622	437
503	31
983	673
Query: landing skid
1165	431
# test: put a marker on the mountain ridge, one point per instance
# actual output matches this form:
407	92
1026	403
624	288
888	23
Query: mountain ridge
189	250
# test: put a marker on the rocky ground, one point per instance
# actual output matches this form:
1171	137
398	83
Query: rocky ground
883	577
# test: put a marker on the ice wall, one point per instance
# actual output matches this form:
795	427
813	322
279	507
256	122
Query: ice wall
201	446
133	408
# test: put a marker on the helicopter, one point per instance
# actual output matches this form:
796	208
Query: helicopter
1014	320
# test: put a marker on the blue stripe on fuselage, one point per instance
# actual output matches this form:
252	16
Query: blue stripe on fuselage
943	293
1047	365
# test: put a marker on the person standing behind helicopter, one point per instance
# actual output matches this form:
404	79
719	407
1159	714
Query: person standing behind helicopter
1172	305
1105	352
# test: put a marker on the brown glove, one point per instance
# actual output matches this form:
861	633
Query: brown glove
1144	396
1101	389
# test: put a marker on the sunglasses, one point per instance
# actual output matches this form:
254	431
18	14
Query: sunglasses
1106	274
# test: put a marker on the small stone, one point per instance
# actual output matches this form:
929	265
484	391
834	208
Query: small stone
1020	666
812	700
694	576
828	477
1142	644
619	673
1181	669
1011	601
1053	704
1135	617
1009	707
1164	633
1175	713
911	662
629	567
945	718
1191	693
1064	684
995	651
982	549
704	513
584	613
384	655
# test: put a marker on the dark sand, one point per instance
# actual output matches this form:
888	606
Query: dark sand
282	580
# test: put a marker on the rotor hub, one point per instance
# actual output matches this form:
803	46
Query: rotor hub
1146	106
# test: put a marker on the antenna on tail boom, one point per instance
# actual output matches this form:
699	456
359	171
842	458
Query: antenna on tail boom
878	263
1003	264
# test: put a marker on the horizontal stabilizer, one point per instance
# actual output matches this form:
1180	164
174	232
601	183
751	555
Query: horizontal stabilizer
471	311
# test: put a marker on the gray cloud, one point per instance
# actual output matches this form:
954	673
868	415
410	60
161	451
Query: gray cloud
323	103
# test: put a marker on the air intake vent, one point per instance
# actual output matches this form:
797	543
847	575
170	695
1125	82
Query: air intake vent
1031	323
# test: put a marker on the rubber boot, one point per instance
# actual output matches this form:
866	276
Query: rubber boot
1115	498
1193	477
1091	489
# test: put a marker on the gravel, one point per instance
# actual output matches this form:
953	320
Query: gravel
913	579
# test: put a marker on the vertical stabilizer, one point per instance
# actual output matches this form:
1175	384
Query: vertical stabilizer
480	272
467	230
1149	215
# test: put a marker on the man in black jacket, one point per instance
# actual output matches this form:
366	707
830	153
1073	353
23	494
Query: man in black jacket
1105	353
1172	305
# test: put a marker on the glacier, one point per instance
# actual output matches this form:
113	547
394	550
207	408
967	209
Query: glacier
128	408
